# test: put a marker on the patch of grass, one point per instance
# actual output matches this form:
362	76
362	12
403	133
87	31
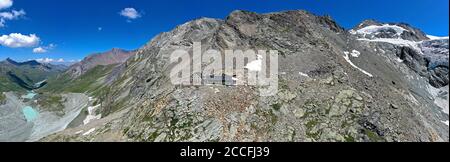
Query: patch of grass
276	106
285	30
283	84
56	83
311	124
349	138
345	124
173	121
153	136
273	118
268	115
254	126
90	81
147	118
282	53
2	97
6	85
188	124
313	135
125	130
51	102
101	92
177	126
373	136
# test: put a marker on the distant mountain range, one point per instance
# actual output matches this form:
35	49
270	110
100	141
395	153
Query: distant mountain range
16	76
90	74
24	75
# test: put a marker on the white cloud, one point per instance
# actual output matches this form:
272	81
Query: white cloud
39	50
10	15
5	4
130	13
44	49
14	14
50	60
73	61
17	40
51	46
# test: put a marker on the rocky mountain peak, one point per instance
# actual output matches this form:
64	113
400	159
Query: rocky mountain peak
31	62
113	56
372	29
368	22
242	16
9	60
330	23
117	50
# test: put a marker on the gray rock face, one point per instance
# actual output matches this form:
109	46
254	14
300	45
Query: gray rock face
439	76
414	60
436	51
333	100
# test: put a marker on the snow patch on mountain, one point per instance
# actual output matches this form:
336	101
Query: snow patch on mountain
374	29
355	53
347	58
441	98
89	131
399	42
91	116
436	37
303	74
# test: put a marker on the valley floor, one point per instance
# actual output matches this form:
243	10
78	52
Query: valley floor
21	122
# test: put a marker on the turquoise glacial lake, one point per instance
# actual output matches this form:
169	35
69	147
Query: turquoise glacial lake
30	95
30	113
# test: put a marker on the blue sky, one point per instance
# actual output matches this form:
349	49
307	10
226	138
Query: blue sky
69	29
